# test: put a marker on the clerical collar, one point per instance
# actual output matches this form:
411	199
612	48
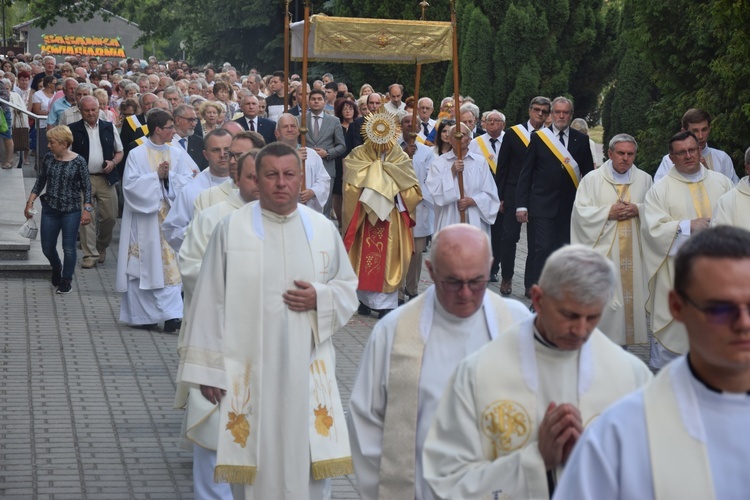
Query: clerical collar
160	147
692	177
703	381
452	319
539	338
618	177
706	151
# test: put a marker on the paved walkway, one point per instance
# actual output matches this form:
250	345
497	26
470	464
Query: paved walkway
86	403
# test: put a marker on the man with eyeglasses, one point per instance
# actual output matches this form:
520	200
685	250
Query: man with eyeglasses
410	357
513	412
698	122
685	434
488	145
509	164
217	153
242	142
147	273
557	158
675	208
185	120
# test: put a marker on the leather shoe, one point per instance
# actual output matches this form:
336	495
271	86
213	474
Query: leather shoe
383	312
102	257
172	325
363	310
150	326
89	264
493	278
527	293
506	287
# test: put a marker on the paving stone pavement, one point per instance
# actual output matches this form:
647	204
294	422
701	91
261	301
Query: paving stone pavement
86	402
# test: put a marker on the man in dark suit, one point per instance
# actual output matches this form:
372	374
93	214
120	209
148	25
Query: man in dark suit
325	135
251	121
97	141
509	165
549	180
185	120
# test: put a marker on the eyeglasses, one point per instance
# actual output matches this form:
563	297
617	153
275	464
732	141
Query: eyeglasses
457	285
231	155
189	120
539	111
686	152
494	120
721	313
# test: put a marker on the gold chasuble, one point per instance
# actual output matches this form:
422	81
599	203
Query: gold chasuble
381	193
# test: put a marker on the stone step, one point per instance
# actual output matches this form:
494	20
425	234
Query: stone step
19	256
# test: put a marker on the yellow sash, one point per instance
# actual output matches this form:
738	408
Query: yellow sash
420	139
487	156
519	130
701	203
135	124
565	162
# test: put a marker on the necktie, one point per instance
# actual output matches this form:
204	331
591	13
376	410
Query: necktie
562	137
494	145
252	125
316	126
424	127
183	143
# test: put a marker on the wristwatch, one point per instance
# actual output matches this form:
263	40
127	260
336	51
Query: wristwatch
88	209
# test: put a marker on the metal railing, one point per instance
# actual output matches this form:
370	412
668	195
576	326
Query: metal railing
36	118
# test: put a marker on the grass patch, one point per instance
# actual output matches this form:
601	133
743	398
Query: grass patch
596	134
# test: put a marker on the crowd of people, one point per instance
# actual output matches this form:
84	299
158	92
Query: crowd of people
257	232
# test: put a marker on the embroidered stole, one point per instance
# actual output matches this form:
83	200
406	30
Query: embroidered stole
673	423
398	458
701	202
238	446
625	240
561	153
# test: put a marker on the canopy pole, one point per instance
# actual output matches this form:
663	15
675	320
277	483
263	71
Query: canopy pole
458	130
303	88
287	21
413	135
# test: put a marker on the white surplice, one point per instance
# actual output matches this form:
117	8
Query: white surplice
448	340
213	196
182	211
148	295
483	442
317	179
613	460
478	185
590	226
715	159
733	209
226	281
422	161
665	226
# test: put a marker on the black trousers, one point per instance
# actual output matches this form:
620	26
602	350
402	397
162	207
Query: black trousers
511	234
549	235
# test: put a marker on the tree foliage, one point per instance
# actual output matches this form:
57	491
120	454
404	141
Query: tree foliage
696	54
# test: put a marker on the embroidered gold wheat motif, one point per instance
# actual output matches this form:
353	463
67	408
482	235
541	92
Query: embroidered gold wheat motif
238	423
323	421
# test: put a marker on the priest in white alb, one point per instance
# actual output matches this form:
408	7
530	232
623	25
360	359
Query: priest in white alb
684	435
480	201
216	151
733	209
410	357
698	122
677	206
274	287
242	142
201	423
606	218
513	411
147	272
317	185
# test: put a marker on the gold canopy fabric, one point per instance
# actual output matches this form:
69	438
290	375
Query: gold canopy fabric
376	41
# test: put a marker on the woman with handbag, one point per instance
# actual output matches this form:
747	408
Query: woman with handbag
66	176
19	127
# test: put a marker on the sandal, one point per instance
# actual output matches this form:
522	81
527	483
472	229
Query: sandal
7	166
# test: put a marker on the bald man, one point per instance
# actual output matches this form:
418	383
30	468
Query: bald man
410	357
